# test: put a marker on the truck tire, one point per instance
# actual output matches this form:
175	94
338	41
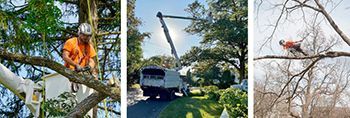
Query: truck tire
172	95
164	95
152	97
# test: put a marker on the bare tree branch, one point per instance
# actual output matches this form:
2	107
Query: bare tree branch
302	73
332	23
303	4
330	54
275	25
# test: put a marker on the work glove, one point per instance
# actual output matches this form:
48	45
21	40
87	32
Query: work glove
78	68
87	68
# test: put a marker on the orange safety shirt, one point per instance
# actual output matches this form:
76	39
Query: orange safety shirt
289	44
80	53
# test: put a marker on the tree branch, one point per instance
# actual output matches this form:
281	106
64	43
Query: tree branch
107	19
88	80
75	2
275	25
303	4
109	109
87	104
332	23
302	73
330	54
107	33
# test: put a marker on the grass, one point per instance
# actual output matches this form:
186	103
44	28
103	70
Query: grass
192	107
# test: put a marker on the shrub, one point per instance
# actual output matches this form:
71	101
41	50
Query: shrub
235	101
212	91
196	93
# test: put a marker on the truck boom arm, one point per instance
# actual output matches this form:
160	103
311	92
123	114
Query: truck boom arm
167	35
170	41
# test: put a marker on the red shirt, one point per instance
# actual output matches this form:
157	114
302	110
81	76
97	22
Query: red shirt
289	44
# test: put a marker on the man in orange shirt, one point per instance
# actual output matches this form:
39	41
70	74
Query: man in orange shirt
293	45
78	52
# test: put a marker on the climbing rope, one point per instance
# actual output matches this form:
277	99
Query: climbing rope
96	49
46	54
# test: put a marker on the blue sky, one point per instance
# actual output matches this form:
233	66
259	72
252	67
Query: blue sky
146	10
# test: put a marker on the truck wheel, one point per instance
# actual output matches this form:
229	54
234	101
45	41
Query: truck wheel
172	95
152	97
163	95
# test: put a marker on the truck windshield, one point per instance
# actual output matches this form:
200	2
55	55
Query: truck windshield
153	73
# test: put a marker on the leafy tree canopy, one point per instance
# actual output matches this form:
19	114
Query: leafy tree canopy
225	34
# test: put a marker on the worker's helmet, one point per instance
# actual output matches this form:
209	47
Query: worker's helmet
85	28
281	42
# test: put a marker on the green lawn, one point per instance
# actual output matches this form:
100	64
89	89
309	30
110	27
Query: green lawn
192	107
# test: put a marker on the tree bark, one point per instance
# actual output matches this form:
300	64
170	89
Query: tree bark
242	62
84	11
241	69
87	104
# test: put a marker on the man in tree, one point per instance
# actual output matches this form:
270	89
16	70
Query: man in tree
293	46
78	52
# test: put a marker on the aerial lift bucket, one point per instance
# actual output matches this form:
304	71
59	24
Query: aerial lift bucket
29	92
25	89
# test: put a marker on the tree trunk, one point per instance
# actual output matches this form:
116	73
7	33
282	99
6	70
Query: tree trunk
84	12
241	70
242	62
308	96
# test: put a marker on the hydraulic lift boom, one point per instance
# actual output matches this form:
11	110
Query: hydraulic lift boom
167	35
